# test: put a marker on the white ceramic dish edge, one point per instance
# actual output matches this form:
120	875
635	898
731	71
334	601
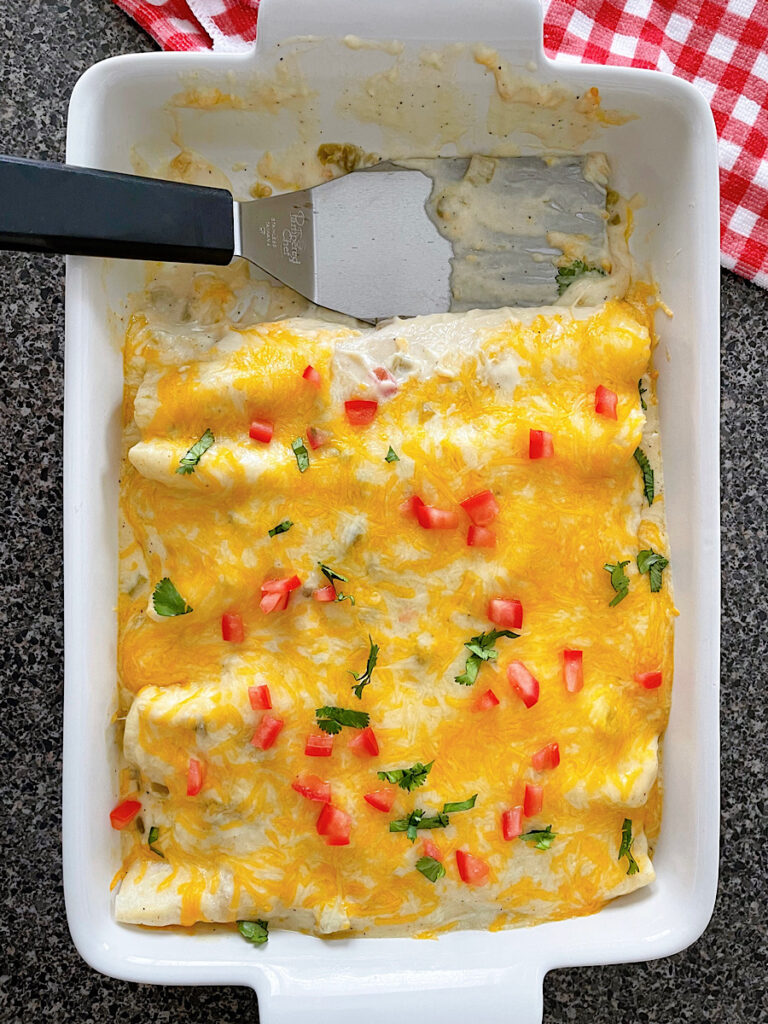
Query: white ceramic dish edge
469	975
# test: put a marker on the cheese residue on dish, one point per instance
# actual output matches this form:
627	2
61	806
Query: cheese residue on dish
457	397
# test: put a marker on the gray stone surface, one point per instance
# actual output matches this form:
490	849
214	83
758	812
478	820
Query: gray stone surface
44	46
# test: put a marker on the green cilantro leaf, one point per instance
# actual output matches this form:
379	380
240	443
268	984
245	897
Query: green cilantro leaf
302	455
642	460
166	599
481	648
283	527
460	805
256	932
364	678
625	850
392	456
152	838
346	597
331	720
619	581
572	272
190	460
407	778
654	564
416	820
542	838
330	575
642	391
430	868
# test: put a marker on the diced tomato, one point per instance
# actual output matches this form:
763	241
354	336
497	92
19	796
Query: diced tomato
381	799
262	430
267	732
573	671
486	700
360	411
274	603
432	850
327	593
540	445
364	743
506	612
512	823
335	825
432	518
650	680
472	870
319	744
310	374
480	537
124	813
386	382
547	757
312	787
482	508
194	777
232	628
605	402
411	505
533	800
523	683
280	586
259	697
317	438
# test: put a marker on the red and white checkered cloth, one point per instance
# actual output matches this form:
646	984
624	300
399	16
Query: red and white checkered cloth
719	45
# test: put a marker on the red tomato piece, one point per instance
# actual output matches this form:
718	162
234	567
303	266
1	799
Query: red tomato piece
381	799
506	612
319	744
274	603
472	870
360	411
194	777
259	697
432	518
606	402
482	508
533	800
317	438
335	825
262	430
540	445
124	813
547	757
410	506
312	787
327	593
280	586
232	628
386	382
365	743
310	374
486	700
650	680
573	671
512	823
523	683
267	732
432	850
480	537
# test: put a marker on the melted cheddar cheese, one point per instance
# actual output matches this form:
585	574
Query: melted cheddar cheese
470	388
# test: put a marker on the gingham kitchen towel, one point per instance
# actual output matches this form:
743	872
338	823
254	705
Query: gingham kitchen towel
721	46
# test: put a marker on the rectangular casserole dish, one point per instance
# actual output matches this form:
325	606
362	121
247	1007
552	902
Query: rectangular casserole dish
667	152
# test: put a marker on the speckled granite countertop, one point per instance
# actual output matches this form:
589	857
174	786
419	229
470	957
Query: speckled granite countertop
44	46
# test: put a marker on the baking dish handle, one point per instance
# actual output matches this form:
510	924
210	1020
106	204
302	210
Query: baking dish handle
492	995
80	211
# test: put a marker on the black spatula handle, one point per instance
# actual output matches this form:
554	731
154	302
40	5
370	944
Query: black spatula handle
85	212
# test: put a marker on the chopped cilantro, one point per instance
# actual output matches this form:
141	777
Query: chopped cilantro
392	456
256	932
460	805
152	838
481	648
625	850
542	838
283	527
407	778
166	600
642	391
619	581
330	575
642	460
654	564
572	272
346	597
190	460
331	720
302	455
364	678
430	868
417	820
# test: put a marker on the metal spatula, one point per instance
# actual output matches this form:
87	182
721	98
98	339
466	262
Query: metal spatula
366	244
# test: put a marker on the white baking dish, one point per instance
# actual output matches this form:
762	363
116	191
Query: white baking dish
668	152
